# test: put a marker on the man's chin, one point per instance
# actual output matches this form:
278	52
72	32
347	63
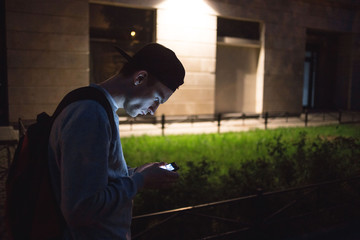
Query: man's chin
133	114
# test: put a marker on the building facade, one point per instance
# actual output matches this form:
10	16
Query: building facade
240	56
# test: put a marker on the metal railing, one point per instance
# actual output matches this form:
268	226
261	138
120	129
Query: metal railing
7	150
267	214
265	120
220	120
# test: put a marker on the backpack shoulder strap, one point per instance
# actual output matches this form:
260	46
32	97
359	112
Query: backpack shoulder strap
86	93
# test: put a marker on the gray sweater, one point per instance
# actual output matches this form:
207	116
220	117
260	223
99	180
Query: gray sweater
89	174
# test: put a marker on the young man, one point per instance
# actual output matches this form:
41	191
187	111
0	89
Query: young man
91	180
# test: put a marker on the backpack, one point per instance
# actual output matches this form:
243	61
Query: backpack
31	210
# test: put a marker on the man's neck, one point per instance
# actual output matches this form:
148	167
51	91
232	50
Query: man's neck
115	88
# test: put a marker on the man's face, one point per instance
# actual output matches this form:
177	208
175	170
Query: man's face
146	99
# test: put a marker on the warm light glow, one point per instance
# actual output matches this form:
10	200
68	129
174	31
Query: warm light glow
260	75
133	33
188	27
185	20
186	8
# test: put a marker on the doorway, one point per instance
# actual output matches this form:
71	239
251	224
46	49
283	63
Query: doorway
327	75
310	72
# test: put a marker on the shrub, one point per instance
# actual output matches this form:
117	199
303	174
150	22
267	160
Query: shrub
221	166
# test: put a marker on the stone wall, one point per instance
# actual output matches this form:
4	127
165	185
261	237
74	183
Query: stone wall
355	65
48	49
285	25
48	53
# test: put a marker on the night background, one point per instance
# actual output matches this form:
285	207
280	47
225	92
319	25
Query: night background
265	128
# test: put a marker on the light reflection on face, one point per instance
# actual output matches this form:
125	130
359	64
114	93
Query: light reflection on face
146	99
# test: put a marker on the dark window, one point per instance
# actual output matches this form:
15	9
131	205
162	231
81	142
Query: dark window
238	29
128	28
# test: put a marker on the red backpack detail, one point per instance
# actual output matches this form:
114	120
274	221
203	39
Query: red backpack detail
31	209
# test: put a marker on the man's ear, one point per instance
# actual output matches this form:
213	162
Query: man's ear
140	77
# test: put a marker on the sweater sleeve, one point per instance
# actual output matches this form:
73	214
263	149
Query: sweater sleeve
87	193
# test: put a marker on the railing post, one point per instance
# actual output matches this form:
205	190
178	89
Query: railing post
266	119
219	122
259	212
340	115
243	116
352	116
163	124
192	118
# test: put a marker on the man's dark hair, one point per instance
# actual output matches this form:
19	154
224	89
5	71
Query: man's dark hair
128	69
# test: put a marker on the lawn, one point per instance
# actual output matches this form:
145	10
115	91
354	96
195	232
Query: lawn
216	167
221	166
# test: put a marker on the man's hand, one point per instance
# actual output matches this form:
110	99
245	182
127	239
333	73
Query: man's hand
156	177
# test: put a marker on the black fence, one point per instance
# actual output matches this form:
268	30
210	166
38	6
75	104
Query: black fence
7	150
327	210
220	120
263	121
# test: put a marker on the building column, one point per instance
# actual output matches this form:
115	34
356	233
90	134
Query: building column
189	28
4	106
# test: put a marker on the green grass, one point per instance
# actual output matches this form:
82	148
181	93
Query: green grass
220	166
224	149
223	166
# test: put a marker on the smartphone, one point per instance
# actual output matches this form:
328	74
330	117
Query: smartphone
171	167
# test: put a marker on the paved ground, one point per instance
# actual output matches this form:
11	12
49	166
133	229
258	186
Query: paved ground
233	125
